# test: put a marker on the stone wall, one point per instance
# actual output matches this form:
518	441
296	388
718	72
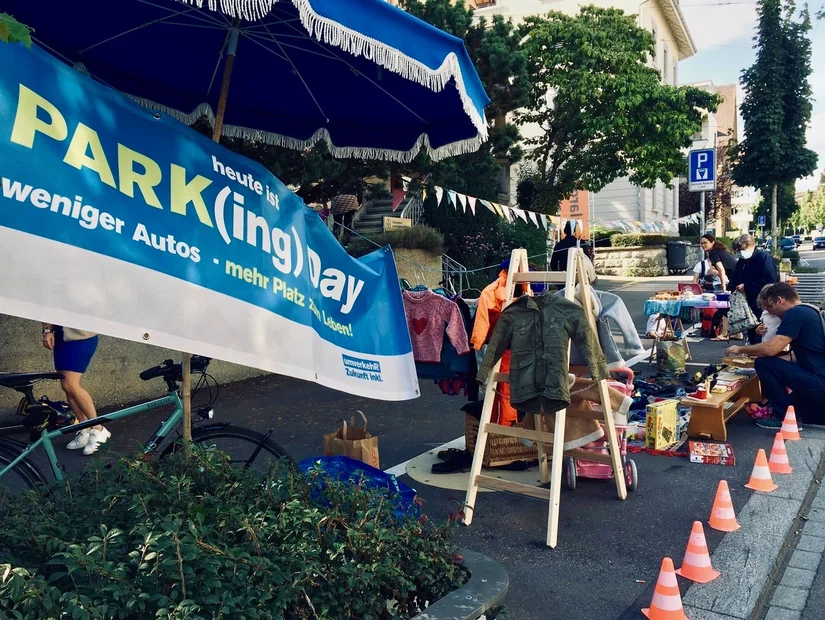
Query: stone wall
112	378
407	262
639	261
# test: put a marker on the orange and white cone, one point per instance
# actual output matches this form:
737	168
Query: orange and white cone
722	516
779	463
761	475
667	602
790	430
696	565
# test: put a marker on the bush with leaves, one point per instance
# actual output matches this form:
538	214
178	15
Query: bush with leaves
625	240
200	538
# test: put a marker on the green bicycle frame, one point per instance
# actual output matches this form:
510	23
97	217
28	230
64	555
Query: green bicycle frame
157	439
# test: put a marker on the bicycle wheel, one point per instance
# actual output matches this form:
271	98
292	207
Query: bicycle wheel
245	447
22	477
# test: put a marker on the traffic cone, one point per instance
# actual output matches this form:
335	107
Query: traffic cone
696	565
761	474
722	516
667	602
790	431
779	463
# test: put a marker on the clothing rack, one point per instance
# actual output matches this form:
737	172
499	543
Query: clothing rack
519	272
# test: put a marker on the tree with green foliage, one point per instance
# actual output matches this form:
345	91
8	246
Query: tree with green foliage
495	50
602	110
777	106
786	205
12	31
811	212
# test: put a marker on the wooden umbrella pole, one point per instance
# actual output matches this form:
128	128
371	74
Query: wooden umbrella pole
186	365
231	50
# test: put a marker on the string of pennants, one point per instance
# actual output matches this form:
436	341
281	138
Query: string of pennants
540	220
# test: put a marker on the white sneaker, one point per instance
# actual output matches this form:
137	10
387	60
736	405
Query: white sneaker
80	440
96	439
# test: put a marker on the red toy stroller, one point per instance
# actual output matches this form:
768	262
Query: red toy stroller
580	468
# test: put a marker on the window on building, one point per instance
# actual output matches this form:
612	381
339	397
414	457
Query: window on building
655	205
655	41
675	199
665	65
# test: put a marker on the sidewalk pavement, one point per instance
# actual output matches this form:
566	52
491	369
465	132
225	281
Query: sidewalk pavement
800	592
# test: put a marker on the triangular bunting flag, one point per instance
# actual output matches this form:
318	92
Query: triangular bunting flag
423	194
534	219
462	200
489	206
543	220
472	202
451	196
499	211
507	212
520	213
439	194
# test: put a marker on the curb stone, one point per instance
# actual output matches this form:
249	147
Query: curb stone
487	586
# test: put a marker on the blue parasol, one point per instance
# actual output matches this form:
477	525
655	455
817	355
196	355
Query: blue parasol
364	76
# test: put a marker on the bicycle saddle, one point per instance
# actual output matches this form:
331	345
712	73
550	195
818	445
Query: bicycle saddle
17	380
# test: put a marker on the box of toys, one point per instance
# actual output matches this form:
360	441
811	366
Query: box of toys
660	426
711	453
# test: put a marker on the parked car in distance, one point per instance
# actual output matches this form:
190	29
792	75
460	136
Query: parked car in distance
797	239
787	244
819	242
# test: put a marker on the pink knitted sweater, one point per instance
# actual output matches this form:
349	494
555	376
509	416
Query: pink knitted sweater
429	315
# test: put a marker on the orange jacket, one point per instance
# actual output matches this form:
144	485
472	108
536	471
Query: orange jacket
490	304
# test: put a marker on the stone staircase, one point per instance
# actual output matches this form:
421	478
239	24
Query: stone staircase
370	219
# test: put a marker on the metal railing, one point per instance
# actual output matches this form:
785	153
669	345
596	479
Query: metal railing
455	275
413	209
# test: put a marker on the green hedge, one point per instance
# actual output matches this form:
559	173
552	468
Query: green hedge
793	255
624	240
201	538
419	237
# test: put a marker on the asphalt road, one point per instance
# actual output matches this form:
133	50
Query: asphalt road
815	257
609	551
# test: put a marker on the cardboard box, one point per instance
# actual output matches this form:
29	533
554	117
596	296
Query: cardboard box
711	453
660	426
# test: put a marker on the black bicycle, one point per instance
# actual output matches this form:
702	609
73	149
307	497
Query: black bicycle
45	420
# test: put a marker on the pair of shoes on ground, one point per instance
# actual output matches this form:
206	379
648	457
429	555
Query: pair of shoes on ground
90	440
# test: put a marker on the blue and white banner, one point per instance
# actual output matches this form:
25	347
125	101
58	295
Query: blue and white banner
119	220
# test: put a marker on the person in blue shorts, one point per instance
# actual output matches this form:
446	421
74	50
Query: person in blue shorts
801	328
73	351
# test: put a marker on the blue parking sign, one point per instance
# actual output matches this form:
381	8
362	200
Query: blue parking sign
702	170
761	220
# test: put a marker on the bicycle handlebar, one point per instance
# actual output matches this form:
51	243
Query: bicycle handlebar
172	372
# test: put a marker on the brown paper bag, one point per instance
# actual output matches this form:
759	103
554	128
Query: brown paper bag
356	443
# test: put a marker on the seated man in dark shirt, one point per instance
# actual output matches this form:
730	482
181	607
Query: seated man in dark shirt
801	327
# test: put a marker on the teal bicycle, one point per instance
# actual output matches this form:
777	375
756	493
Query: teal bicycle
18	472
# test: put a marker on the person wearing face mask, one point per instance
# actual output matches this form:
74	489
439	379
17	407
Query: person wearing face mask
754	270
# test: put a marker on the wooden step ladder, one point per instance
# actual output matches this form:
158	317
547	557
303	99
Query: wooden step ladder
520	272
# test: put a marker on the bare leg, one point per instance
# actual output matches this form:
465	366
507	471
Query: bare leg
591	392
83	406
76	410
